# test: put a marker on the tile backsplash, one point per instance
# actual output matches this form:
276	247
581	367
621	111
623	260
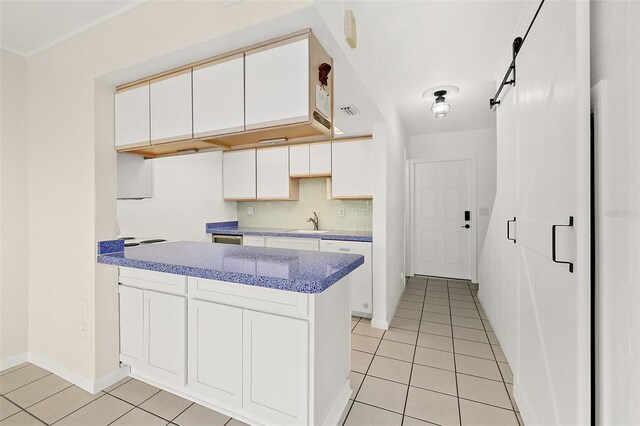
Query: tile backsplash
358	214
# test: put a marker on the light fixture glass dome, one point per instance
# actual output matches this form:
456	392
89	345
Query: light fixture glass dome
440	107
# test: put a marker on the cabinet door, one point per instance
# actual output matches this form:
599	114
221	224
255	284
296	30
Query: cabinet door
352	169
171	117
215	351
252	240
218	97
275	358
273	180
299	160
361	277
132	116
320	159
239	175
131	305
277	84
165	336
293	243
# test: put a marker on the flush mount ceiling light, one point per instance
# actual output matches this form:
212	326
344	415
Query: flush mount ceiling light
440	107
438	95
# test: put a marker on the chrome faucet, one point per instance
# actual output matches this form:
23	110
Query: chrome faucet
314	219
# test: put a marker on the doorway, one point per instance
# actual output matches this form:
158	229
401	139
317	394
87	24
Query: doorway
443	231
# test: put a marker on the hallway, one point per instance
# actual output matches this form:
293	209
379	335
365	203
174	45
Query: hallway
439	362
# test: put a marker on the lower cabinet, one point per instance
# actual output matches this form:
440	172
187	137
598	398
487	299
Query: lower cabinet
153	335
275	359
361	278
215	350
293	243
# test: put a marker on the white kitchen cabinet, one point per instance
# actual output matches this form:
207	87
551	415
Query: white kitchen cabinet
131	308
276	360
277	84
218	97
252	240
165	336
215	351
171	109
293	243
299	160
352	169
361	277
135	177
132	126
320	159
310	160
239	175
273	181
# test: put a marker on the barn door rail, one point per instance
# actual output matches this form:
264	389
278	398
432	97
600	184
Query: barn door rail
510	76
553	245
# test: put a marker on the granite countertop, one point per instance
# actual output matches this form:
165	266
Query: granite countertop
290	270
231	228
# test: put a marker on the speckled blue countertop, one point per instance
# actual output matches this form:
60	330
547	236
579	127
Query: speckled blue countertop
231	228
291	270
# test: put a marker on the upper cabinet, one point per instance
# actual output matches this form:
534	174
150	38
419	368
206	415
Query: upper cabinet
310	160
273	181
239	175
218	97
132	116
171	110
277	84
279	89
352	169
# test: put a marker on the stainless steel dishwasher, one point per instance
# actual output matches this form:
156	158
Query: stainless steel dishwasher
227	239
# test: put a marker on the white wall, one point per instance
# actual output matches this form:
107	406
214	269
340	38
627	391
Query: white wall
72	163
615	67
14	209
479	144
187	193
389	143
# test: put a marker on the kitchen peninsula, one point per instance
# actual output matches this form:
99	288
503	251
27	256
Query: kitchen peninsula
261	334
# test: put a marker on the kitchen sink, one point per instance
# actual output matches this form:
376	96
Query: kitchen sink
307	231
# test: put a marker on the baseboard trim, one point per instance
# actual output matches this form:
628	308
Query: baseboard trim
89	385
12	361
378	323
338	408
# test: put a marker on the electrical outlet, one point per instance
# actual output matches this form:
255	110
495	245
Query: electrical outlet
250	210
340	212
83	310
83	330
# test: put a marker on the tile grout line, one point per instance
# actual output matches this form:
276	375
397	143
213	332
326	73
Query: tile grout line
68	414
415	349
455	364
25	410
513	408
365	374
26	384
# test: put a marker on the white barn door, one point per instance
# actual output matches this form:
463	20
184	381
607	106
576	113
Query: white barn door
551	104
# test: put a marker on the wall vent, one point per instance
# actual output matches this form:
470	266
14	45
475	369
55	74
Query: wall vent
349	110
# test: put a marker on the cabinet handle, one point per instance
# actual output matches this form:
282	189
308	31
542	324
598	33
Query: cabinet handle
553	245
508	222
344	249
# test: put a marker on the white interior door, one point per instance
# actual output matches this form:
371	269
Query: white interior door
551	103
443	240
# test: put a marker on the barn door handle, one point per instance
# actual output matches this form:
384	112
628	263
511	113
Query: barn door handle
553	245
508	222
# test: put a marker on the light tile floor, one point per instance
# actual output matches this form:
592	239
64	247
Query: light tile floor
439	363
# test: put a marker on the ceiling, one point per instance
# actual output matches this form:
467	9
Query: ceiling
28	27
422	44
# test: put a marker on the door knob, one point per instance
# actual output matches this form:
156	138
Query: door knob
465	226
